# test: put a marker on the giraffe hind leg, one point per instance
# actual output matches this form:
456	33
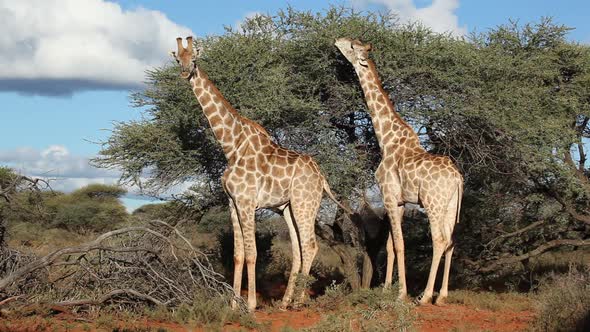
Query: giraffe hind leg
238	253
296	261
305	214
448	227
390	261
444	290
246	210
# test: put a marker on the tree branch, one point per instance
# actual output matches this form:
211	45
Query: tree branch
520	231
110	295
535	252
53	256
572	210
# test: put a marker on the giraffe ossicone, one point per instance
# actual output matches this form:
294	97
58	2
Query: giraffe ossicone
259	174
408	173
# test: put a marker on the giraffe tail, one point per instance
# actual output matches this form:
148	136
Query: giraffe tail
459	199
331	195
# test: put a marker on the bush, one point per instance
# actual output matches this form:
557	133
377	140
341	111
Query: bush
364	310
94	208
564	302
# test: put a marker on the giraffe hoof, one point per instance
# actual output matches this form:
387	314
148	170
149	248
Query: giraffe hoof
424	300
441	301
284	305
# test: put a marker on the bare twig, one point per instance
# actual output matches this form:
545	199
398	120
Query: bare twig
110	295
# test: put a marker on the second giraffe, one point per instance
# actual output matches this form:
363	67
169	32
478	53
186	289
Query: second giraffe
408	174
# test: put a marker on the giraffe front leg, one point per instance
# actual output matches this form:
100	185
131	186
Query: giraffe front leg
390	261
246	210
296	261
238	254
390	187
396	214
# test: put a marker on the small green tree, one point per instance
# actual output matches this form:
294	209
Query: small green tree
95	208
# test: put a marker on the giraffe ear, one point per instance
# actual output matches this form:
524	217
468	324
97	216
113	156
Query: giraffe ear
368	47
197	52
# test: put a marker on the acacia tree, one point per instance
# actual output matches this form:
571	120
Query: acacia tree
511	106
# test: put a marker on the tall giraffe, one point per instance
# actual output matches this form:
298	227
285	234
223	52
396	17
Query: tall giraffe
408	174
259	174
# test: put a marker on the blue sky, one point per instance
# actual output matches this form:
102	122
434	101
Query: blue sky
56	100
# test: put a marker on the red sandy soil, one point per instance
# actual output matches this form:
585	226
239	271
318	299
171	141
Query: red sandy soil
430	318
452	316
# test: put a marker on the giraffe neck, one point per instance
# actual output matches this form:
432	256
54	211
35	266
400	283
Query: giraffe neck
226	123
390	128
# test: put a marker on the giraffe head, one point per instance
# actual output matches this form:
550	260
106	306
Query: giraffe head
186	57
354	51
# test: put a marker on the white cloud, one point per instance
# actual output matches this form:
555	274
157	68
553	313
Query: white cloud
67	172
439	15
62	46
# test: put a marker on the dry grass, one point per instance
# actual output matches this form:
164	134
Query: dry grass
40	240
363	310
563	302
211	314
491	301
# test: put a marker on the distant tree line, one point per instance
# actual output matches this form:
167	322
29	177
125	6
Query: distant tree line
92	208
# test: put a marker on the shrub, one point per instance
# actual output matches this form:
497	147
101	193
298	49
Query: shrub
89	215
364	310
564	302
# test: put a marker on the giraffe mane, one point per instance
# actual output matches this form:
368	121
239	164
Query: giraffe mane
373	69
256	125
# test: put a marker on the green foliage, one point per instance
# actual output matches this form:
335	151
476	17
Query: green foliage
507	105
89	215
7	176
99	192
94	208
564	302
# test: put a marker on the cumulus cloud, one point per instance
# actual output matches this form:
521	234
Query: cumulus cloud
58	47
439	15
66	171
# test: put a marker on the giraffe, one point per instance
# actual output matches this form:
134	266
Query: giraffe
259	174
408	174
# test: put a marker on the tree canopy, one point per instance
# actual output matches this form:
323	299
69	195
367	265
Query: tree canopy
511	106
95	207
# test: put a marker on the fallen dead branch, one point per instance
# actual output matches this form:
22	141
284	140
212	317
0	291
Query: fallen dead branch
152	263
